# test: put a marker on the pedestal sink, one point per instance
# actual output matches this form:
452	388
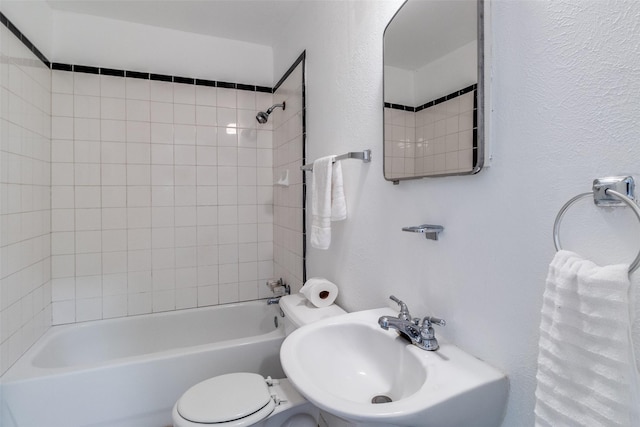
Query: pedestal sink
350	367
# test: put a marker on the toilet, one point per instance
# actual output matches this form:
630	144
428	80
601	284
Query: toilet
248	399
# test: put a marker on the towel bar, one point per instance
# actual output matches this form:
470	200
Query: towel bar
603	190
365	156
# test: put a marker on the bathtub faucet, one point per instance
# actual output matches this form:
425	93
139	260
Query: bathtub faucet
279	289
420	334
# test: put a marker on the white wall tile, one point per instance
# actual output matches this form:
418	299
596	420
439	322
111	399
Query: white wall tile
138	239
86	84
113	218
184	134
88	241
161	91
187	175
207	295
61	82
87	151
206	115
186	298
161	133
184	114
86	106
113	130
226	98
138	110
186	236
62	104
86	129
137	89
114	306
114	240
112	86
184	93
207	135
87	196
112	108
113	175
149	181
114	196
205	95
63	312
185	196
140	303
161	112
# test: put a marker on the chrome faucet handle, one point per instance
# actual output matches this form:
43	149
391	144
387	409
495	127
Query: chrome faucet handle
433	320
428	339
404	310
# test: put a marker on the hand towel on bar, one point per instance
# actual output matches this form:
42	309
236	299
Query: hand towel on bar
586	374
327	200
338	201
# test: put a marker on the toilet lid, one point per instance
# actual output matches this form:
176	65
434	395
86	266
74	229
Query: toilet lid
226	398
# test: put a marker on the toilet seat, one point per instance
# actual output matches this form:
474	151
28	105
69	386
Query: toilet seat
238	399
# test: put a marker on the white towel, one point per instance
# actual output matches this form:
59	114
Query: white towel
327	200
338	202
586	373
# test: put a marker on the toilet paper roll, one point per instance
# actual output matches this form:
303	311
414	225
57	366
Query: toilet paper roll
319	291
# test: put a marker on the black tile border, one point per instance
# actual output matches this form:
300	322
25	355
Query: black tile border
301	60
184	80
111	72
7	23
440	100
85	69
61	67
134	74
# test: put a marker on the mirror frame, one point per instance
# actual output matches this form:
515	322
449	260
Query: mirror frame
480	128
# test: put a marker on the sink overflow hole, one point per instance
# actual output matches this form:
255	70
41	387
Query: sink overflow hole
381	399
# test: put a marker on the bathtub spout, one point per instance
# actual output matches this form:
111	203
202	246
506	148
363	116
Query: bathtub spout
274	300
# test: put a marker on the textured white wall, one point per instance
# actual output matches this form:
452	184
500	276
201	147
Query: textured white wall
566	78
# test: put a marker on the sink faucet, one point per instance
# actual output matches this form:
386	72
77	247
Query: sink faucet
420	333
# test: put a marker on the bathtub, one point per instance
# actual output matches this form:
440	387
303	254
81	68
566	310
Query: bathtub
129	372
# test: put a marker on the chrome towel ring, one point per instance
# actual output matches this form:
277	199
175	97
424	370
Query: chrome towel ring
603	189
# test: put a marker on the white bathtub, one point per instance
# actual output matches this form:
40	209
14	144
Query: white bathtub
129	372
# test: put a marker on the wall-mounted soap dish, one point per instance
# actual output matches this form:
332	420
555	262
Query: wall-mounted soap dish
430	231
283	179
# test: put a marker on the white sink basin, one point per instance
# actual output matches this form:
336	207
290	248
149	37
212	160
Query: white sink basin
340	364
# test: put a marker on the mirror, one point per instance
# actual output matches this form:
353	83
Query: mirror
433	90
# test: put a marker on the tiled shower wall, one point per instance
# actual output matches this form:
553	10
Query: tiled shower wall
161	196
25	123
433	141
288	142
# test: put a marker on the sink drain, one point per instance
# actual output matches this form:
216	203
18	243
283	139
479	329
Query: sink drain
381	398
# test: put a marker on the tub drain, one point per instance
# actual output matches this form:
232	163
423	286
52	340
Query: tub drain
381	398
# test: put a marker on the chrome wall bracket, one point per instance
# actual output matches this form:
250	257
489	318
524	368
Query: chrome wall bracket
430	231
622	184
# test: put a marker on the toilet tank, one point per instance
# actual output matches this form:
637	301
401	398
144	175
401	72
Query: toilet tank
298	311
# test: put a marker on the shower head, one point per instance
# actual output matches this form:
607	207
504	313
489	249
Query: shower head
263	116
